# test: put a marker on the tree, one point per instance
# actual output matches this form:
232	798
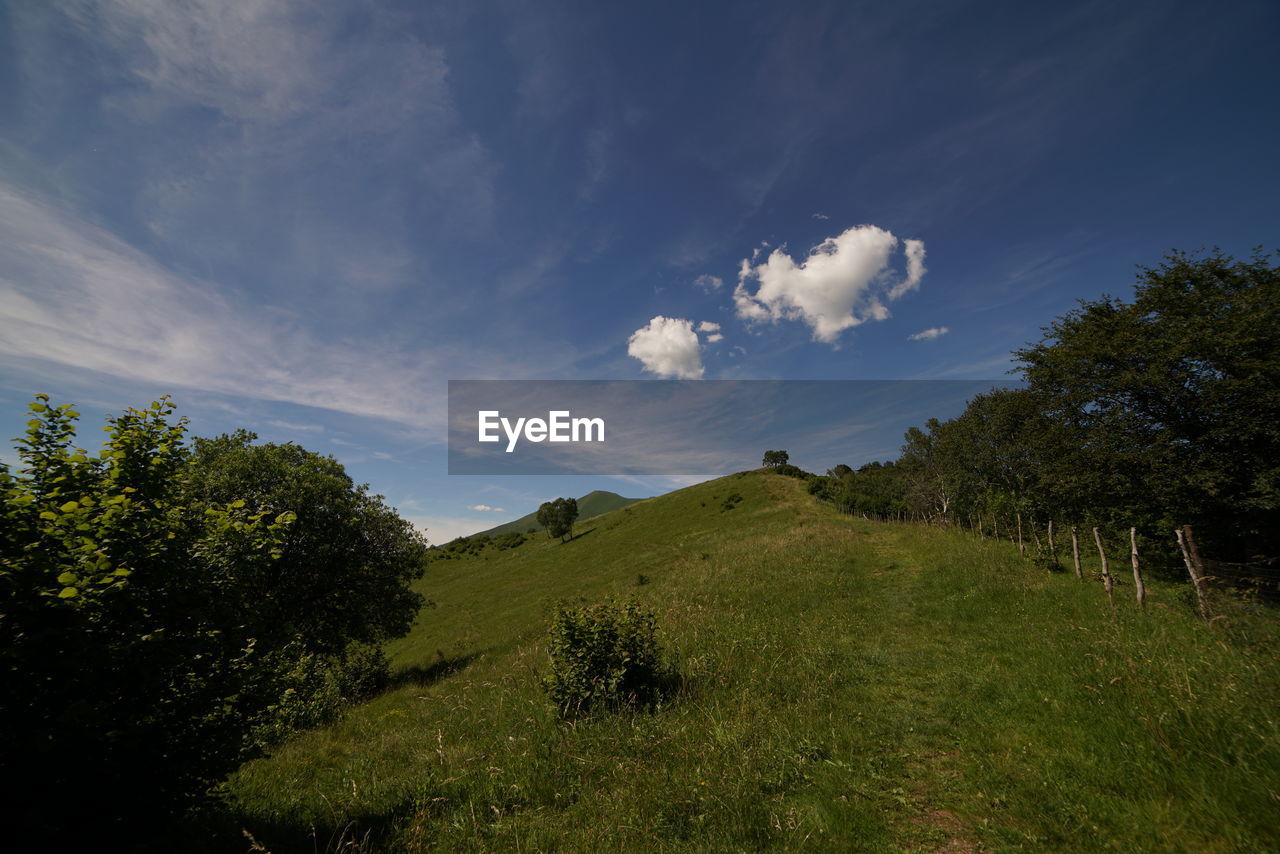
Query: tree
776	458
558	516
345	567
157	624
1177	396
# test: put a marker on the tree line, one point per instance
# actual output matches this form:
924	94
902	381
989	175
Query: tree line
1153	413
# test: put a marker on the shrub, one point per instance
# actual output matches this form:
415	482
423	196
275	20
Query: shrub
1044	559
168	609
604	656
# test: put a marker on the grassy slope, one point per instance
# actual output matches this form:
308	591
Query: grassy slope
590	505
851	686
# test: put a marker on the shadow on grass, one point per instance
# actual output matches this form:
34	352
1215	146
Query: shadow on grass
422	676
577	536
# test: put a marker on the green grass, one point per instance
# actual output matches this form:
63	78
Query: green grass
848	686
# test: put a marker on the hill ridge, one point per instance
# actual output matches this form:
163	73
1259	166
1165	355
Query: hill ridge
595	503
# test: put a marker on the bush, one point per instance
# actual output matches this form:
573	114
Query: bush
167	611
604	656
310	690
1044	559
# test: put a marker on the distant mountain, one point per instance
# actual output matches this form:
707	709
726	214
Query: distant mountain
591	504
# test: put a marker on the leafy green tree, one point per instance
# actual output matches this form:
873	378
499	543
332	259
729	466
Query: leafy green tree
776	458
155	622
558	516
1176	396
346	563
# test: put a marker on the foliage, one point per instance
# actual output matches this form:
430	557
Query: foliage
558	517
775	458
344	569
603	656
1177	397
461	547
165	610
876	489
790	471
1157	412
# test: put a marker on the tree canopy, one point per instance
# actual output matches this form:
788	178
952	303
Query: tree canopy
776	458
1156	412
167	610
558	517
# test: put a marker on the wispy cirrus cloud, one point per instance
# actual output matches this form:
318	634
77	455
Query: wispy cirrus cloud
709	283
74	294
256	110
928	334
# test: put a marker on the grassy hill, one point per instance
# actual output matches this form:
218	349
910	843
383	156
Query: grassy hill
850	686
590	505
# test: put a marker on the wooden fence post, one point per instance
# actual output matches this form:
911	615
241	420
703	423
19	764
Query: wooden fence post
1053	552
1191	557
1137	573
1075	550
1106	571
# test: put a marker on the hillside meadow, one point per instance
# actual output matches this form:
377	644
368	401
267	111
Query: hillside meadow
846	685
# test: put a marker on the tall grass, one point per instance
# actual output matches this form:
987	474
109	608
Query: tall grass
848	685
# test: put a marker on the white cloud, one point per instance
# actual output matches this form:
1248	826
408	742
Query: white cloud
914	250
293	426
713	328
485	508
73	294
844	281
709	282
925	335
821	216
668	347
293	85
442	529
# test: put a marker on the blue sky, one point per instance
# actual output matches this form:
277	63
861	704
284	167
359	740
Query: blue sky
305	218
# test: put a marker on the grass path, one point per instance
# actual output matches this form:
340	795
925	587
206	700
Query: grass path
851	686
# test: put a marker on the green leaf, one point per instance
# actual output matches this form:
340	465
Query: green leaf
69	506
50	515
68	577
68	593
238	503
